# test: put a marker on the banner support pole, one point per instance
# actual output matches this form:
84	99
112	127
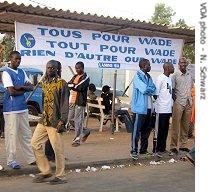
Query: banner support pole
112	126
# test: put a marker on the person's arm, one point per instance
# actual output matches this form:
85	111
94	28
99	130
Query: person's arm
139	84
72	79
64	102
151	88
82	86
173	79
13	92
27	87
158	87
110	96
193	91
148	89
8	84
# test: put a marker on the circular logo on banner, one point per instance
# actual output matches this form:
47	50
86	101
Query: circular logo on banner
27	40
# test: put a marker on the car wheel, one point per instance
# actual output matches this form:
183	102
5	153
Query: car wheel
32	110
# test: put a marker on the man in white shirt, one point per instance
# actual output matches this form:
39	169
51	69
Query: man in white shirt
15	112
163	107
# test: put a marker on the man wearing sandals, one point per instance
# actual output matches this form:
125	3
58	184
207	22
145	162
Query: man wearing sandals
15	111
51	125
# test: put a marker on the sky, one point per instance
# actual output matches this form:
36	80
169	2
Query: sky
132	9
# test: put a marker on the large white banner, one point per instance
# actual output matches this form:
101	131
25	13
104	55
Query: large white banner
39	44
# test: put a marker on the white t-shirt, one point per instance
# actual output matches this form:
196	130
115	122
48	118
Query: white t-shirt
164	93
7	81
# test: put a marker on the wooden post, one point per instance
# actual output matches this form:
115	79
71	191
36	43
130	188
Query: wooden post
72	71
112	126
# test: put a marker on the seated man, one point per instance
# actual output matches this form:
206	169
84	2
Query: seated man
91	92
106	95
92	98
123	114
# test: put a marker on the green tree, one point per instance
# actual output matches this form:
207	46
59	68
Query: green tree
189	52
163	14
9	42
181	23
188	49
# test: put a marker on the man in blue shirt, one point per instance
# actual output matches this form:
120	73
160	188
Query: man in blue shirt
15	111
143	87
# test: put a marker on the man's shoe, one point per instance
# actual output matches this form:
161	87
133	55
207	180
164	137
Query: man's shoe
173	151
146	154
76	142
190	159
14	165
134	155
184	149
33	163
160	154
85	137
40	178
56	181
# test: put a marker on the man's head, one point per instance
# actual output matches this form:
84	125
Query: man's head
144	65
59	68
106	89
92	87
183	63
168	68
15	59
51	68
79	68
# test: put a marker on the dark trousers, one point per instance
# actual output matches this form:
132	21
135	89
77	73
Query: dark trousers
49	152
141	129
163	126
1	123
125	118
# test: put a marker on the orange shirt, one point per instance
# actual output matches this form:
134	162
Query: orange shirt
193	105
73	94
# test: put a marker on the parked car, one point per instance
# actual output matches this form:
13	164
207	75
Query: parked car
35	102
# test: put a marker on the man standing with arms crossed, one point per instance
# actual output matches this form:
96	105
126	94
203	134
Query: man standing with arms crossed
15	111
143	87
51	125
182	84
163	107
